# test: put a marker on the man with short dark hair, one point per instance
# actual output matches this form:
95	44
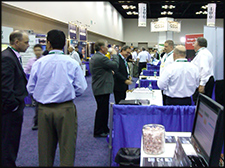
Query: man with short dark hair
13	93
55	81
122	76
142	59
38	54
204	61
102	85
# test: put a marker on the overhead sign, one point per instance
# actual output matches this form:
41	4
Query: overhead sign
165	25
72	28
190	40
142	14
83	33
211	15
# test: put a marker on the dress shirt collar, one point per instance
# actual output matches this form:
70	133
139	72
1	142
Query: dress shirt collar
16	52
101	53
181	60
199	50
56	52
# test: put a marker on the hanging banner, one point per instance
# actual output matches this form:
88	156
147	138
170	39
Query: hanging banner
72	28
165	25
83	33
189	45
142	14
173	26
211	15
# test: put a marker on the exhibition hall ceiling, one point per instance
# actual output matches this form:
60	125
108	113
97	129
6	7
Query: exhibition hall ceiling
174	9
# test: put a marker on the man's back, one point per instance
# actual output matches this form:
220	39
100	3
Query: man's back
179	79
101	70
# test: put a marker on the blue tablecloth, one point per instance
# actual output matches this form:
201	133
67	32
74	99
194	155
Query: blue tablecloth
150	72
145	83
128	121
152	67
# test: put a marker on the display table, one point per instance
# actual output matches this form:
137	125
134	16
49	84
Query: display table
169	148
127	121
155	97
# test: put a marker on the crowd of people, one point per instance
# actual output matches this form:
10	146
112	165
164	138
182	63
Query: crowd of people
56	80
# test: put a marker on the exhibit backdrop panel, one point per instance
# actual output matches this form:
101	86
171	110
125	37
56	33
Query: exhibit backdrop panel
214	36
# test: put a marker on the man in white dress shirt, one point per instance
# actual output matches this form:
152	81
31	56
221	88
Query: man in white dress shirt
75	55
180	79
204	61
166	60
142	58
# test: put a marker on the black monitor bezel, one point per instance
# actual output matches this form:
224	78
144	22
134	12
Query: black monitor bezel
213	159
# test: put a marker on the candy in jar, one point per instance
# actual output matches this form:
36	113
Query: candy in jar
153	139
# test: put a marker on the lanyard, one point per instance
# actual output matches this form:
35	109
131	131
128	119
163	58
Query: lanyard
199	50
168	55
13	49
56	52
125	63
181	60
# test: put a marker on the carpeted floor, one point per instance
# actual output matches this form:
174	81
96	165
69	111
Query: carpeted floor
90	151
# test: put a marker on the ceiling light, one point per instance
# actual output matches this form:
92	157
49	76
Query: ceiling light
204	7
121	1
171	6
129	13
163	13
132	7
125	7
165	6
135	13
169	13
205	12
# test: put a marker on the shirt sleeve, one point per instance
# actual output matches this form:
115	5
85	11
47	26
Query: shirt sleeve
79	82
28	66
164	79
204	70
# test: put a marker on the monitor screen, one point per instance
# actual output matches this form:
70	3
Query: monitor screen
205	127
207	132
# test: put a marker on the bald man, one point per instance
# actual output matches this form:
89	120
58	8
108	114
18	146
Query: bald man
13	93
180	79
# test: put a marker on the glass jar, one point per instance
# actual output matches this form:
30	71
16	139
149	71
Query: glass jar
153	139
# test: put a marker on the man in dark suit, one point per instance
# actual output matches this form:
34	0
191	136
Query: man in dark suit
121	77
13	93
102	85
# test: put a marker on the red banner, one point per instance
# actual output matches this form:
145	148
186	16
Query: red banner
190	40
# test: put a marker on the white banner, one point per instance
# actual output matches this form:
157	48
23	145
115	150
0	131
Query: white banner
158	26
173	26
142	14
164	25
211	15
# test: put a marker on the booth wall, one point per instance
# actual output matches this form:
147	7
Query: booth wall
24	20
134	34
101	16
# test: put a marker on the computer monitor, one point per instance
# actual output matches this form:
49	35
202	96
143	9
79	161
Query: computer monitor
208	129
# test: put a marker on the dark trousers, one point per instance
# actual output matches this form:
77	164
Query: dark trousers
164	98
140	66
119	95
219	91
35	103
11	132
102	114
208	89
57	123
178	101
